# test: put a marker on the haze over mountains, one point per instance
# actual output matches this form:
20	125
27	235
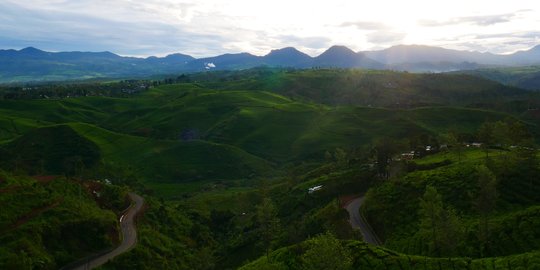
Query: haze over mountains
31	64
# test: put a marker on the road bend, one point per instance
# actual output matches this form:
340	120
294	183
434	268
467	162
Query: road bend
358	221
129	235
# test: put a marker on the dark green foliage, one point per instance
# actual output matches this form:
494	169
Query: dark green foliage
205	146
365	256
47	223
524	77
268	223
440	227
370	88
53	150
485	204
431	212
487	217
326	252
170	238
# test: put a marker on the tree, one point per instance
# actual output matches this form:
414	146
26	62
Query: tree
431	208
452	140
518	133
268	223
452	232
341	157
485	135
485	204
384	149
441	226
326	252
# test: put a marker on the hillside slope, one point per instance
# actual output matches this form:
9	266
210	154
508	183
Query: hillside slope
47	221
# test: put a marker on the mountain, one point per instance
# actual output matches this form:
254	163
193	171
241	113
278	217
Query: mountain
527	77
419	53
288	57
224	62
171	59
33	52
410	55
443	66
32	64
527	57
343	57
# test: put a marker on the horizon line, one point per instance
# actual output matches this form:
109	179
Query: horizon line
242	52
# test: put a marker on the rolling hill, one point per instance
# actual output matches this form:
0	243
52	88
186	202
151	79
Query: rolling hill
209	153
161	133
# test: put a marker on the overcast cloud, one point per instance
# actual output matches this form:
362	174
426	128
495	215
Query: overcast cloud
212	27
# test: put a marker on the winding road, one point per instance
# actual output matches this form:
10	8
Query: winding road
129	236
358	220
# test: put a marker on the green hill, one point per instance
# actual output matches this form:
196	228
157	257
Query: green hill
367	88
168	123
213	150
523	77
47	221
393	206
364	256
54	149
173	161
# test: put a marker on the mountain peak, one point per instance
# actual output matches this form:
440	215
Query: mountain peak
341	56
287	51
284	50
339	49
32	51
535	49
288	56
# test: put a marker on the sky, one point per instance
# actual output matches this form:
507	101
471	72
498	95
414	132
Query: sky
211	27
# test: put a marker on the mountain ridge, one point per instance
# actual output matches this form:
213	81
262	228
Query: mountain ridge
33	64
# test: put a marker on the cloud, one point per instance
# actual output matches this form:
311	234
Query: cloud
58	30
308	42
212	27
485	20
366	25
384	37
527	34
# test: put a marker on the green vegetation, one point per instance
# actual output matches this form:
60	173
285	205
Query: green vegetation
49	221
523	77
364	256
54	149
225	162
465	189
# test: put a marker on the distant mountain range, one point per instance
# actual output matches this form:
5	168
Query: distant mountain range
31	64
